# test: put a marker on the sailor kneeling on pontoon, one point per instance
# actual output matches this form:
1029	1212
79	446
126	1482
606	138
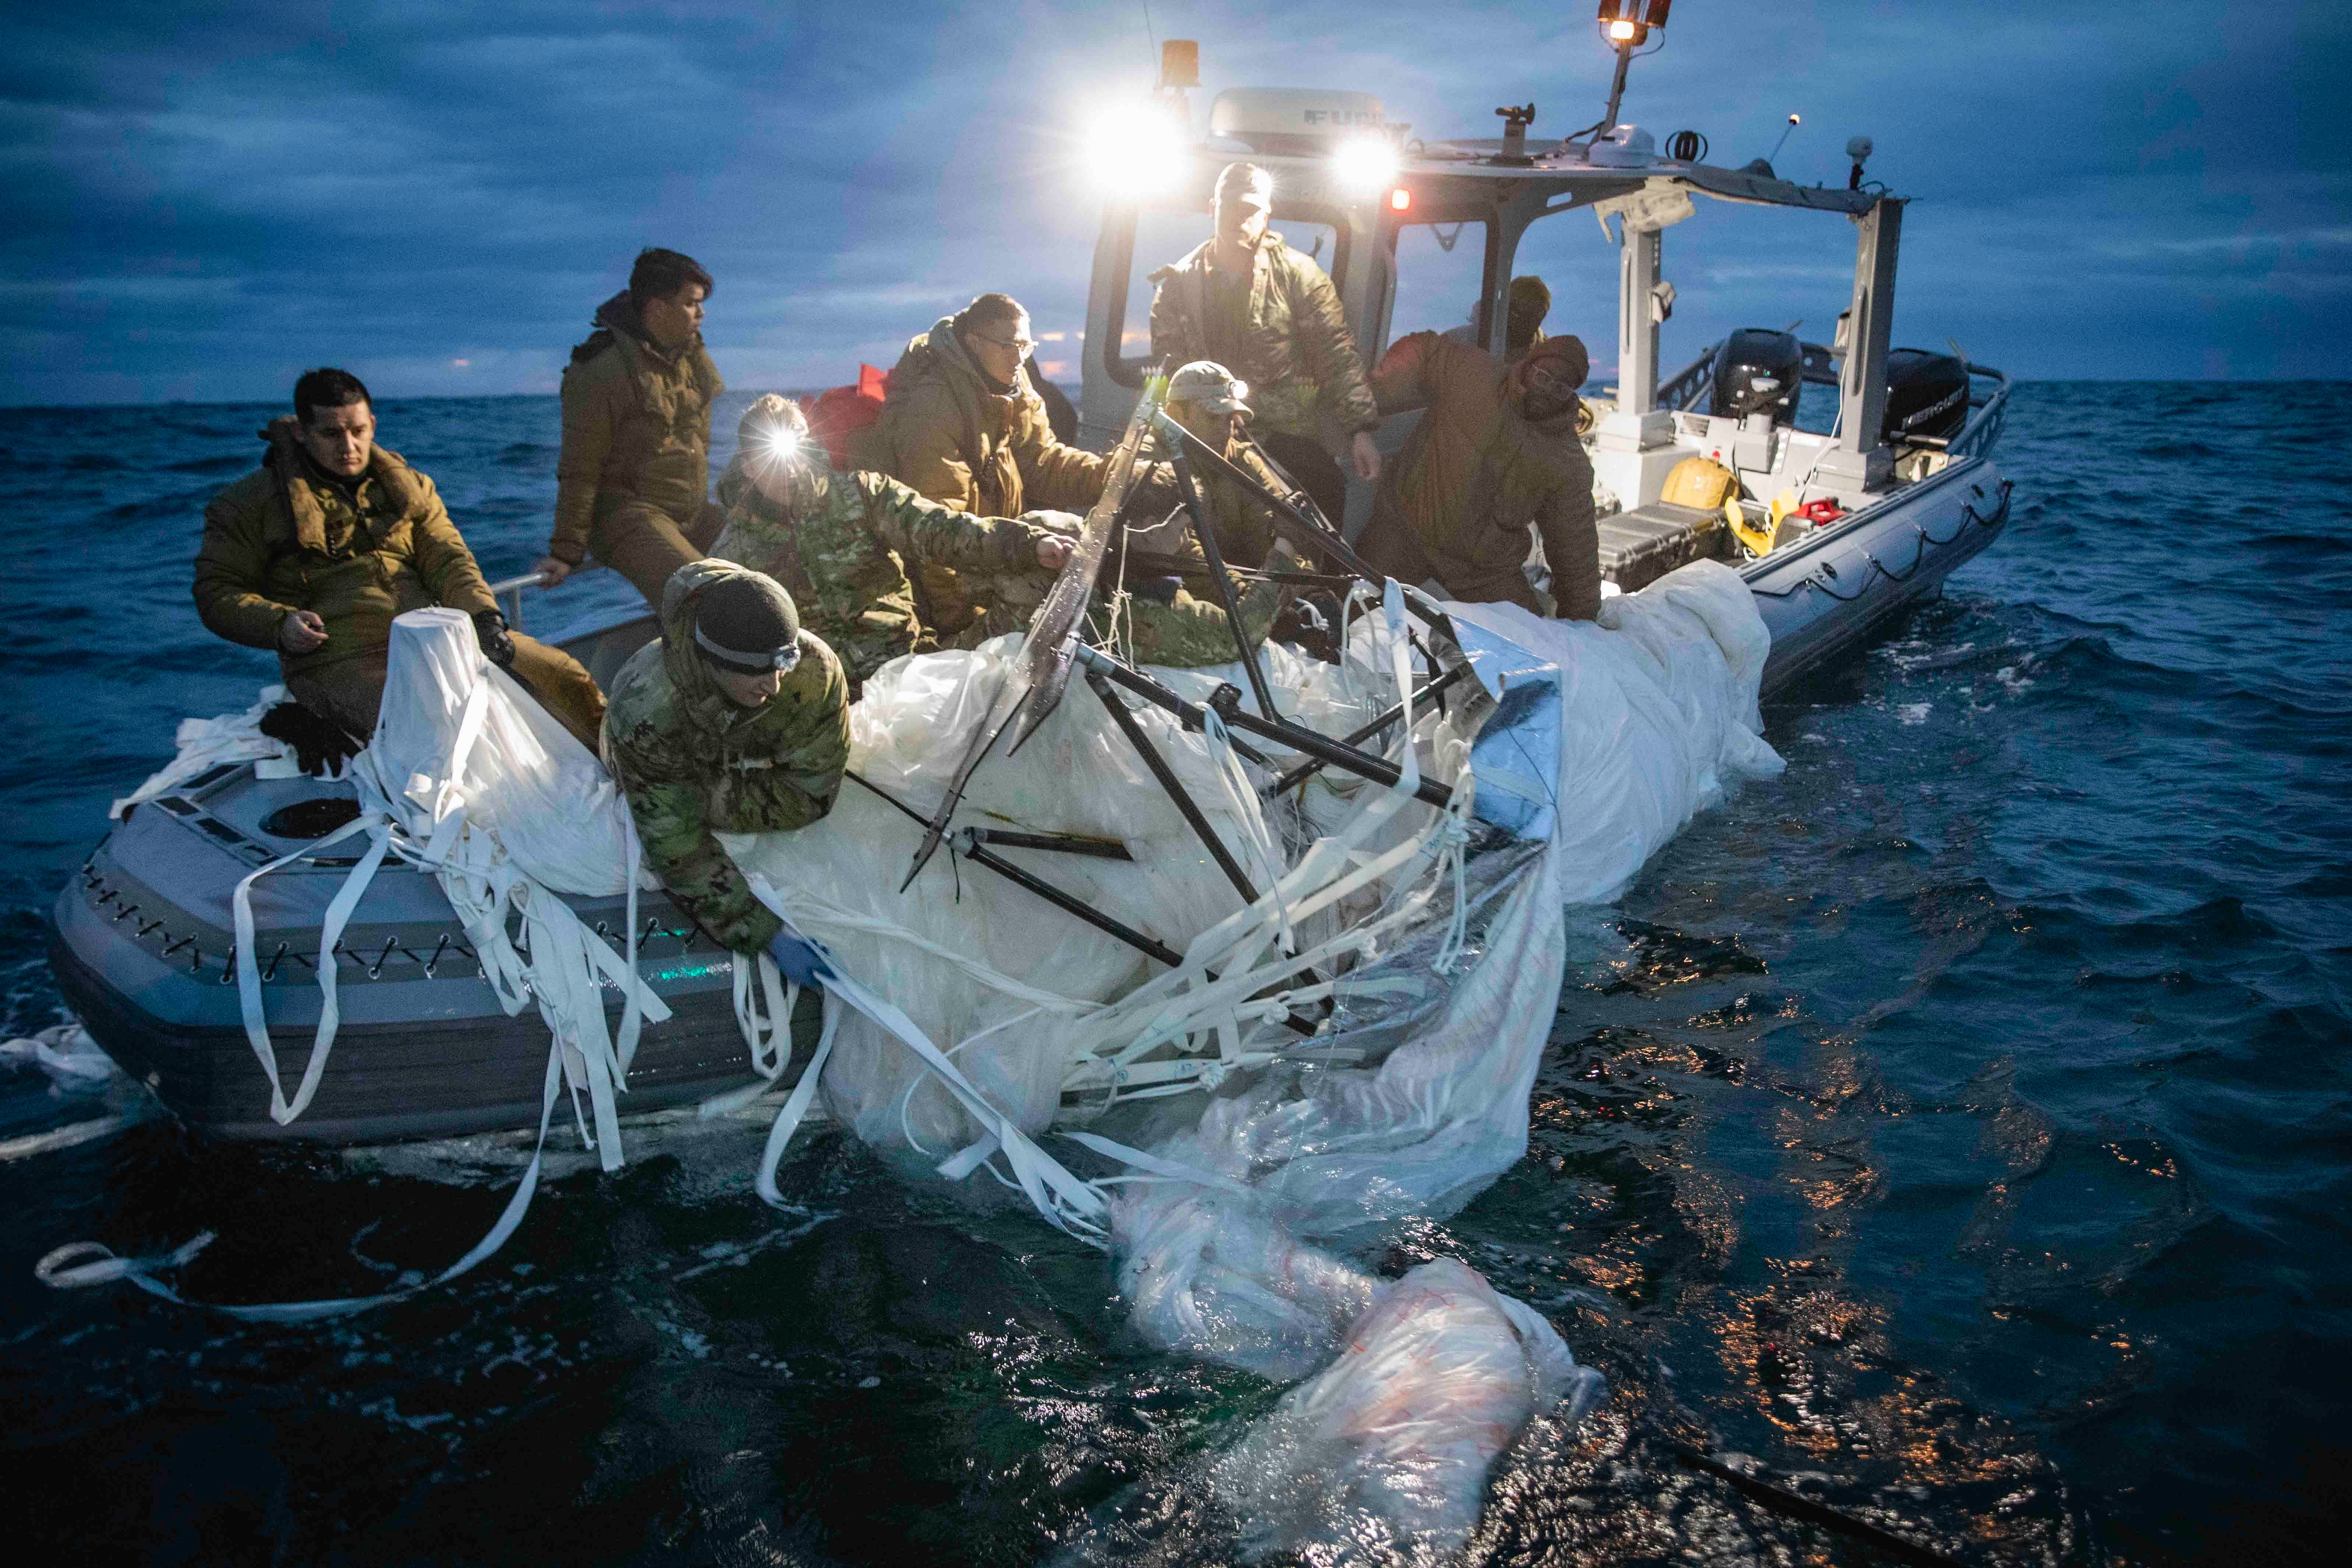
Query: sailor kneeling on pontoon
736	721
315	553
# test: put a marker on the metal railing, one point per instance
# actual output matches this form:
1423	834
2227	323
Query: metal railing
1975	437
508	591
1691	383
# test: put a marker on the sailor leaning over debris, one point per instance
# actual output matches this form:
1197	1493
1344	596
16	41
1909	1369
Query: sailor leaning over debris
631	480
314	553
1496	452
844	543
964	425
1246	300
736	721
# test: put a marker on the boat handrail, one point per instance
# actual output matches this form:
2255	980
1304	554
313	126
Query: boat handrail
1975	437
1691	383
509	591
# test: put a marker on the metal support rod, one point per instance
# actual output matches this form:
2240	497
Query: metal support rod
1192	715
1060	843
1035	884
1115	929
1363	733
1069	905
1616	92
1205	531
1126	719
1296	736
1322	537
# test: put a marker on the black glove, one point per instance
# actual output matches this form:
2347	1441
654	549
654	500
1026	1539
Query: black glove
497	643
321	746
1158	590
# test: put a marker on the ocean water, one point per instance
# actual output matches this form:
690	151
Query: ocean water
1961	1125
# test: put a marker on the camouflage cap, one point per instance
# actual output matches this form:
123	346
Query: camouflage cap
1205	384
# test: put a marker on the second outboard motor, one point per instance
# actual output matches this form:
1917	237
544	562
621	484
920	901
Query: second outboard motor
1758	370
1927	395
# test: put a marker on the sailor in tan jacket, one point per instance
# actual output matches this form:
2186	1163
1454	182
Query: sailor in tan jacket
1496	452
314	553
963	427
632	481
1248	301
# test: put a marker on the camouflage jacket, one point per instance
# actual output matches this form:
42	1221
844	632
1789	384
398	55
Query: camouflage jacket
694	764
1476	473
846	565
1290	341
285	537
1244	524
1194	631
636	426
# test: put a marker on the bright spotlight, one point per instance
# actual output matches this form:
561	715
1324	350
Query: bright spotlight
1364	163
782	443
1135	150
1624	32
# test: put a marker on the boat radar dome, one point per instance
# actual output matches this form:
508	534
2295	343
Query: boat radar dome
1297	120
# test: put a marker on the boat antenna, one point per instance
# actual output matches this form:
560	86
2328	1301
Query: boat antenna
1774	156
1625	25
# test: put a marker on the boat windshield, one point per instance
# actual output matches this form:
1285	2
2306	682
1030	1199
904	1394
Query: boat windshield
1440	269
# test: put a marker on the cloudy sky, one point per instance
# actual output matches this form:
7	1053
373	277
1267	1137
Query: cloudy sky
437	194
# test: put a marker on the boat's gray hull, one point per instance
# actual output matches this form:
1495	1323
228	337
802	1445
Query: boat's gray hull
423	1050
1823	597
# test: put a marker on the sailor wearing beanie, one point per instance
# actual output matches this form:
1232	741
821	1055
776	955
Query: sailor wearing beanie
736	721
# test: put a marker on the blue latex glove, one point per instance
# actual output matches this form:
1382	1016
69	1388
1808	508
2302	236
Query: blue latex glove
802	961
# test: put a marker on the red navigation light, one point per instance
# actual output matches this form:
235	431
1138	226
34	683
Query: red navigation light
1399	200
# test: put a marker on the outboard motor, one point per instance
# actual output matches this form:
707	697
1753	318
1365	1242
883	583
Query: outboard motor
1758	370
1927	395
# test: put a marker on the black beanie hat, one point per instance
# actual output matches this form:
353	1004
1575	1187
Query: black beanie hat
747	623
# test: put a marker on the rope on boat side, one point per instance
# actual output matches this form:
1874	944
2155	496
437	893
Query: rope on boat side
1821	580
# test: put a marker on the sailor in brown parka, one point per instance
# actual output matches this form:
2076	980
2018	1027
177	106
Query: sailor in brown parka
632	479
314	553
963	427
1497	451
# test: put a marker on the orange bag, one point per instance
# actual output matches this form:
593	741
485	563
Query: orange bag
838	415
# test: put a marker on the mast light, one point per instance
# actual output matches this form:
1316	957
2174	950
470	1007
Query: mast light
1630	22
1625	25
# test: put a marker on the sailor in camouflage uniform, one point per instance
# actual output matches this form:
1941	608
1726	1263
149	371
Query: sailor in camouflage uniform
844	543
736	721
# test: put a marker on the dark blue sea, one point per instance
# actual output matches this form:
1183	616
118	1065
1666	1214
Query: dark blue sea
1959	1125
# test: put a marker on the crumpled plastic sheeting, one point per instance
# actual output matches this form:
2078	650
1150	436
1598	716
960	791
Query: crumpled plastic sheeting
75	1063
1658	705
203	744
527	782
1389	1448
1382	1456
964	951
